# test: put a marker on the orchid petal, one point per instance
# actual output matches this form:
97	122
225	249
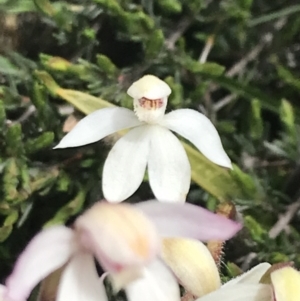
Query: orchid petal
193	265
125	165
168	167
47	251
2	292
80	281
98	125
200	131
286	284
252	276
187	220
156	284
245	292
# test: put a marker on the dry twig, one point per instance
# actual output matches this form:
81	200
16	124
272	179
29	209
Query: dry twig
285	219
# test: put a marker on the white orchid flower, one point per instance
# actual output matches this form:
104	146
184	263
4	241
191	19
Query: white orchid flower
149	143
126	241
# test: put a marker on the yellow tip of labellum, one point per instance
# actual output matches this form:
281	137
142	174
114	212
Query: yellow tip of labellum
286	284
193	265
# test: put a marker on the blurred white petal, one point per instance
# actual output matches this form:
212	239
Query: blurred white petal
168	166
47	251
125	165
187	220
240	292
98	125
2	292
80	281
252	276
157	284
200	131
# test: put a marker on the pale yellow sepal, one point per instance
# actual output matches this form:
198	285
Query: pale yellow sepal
193	265
286	284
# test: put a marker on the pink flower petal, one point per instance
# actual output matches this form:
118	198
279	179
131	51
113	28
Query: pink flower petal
119	236
46	252
187	220
80	281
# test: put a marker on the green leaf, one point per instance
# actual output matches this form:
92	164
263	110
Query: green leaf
213	178
36	144
272	16
287	76
13	139
257	232
106	65
83	102
46	7
70	209
256	123
7	227
7	68
288	119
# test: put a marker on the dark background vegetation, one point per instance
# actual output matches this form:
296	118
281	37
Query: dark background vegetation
248	85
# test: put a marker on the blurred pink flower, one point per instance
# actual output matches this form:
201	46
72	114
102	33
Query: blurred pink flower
125	239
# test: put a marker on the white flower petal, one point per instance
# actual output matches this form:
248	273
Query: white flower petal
187	220
98	125
200	131
240	292
80	281
125	165
47	251
2	292
252	276
157	284
168	166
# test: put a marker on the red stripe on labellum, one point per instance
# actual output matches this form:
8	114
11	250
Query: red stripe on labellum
151	104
